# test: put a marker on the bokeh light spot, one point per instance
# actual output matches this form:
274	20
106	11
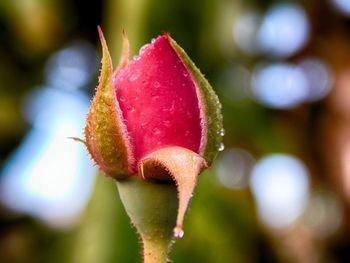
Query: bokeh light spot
235	83
73	66
284	30
318	76
245	32
280	85
280	185
342	6
233	168
324	214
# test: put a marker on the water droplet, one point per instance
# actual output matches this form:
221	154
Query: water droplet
195	159
155	98
135	75
122	99
221	147
132	110
136	58
187	133
156	84
167	123
189	114
185	73
153	40
156	131
137	91
178	232
222	132
172	108
143	49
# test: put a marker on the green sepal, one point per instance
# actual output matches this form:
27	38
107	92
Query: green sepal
179	165
106	136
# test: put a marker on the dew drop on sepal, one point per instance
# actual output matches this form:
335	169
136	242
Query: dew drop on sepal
178	232
222	132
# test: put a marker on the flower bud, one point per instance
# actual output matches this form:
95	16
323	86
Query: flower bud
159	99
155	117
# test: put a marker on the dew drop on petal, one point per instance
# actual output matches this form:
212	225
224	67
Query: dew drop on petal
156	131
155	98
189	114
167	123
143	48
156	84
172	107
135	75
136	58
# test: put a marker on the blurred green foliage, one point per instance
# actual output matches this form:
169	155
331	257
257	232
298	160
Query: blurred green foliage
221	225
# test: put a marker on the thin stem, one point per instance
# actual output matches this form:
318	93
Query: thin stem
155	251
152	208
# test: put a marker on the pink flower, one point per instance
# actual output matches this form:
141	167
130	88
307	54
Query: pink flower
154	116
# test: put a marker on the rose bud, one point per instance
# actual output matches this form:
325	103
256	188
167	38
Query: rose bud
156	118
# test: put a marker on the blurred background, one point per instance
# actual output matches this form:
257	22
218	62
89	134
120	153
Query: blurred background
280	189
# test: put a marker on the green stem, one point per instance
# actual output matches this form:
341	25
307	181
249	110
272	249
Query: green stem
152	207
155	251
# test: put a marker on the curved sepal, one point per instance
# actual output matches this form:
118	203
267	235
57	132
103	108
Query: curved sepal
210	106
106	136
124	59
179	164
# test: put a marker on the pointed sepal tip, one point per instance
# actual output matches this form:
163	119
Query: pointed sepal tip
180	165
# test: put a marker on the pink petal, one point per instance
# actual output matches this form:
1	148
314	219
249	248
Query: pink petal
158	99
